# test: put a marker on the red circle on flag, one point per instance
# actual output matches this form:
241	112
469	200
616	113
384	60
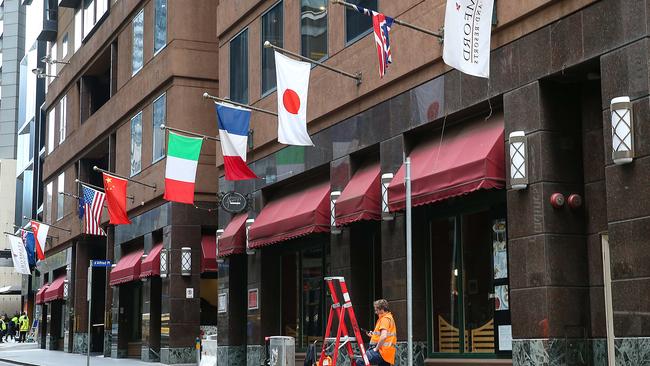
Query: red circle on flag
291	101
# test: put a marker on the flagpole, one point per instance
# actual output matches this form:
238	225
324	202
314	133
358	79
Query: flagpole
23	229
74	196
223	100
98	169
356	76
50	225
397	21
205	137
132	198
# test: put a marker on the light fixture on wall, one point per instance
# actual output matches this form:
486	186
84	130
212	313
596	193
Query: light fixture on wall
49	60
518	160
249	251
66	289
219	233
622	130
163	263
333	197
186	261
40	74
385	182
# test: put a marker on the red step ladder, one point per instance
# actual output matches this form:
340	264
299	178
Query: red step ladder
341	309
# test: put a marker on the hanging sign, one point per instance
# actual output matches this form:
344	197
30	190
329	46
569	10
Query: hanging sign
234	202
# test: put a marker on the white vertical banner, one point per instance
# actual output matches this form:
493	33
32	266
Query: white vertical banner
19	255
468	26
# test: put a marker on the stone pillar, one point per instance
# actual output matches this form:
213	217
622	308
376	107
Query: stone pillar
68	305
151	301
254	324
119	346
108	303
232	325
549	294
79	287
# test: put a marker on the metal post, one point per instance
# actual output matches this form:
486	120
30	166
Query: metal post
206	95
205	137
90	306
98	169
409	264
50	225
101	189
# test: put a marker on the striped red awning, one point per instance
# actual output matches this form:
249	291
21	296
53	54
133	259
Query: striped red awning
151	264
361	198
233	238
127	268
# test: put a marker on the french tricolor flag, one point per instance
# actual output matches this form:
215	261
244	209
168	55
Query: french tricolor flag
234	123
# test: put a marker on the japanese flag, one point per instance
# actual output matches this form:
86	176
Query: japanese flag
293	84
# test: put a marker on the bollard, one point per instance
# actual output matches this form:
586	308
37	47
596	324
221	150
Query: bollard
197	345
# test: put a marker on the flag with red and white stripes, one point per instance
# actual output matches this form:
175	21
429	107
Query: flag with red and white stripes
381	25
93	203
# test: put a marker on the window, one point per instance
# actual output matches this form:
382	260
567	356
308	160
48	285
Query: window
239	68
272	32
60	185
50	130
63	118
159	113
89	16
136	144
138	43
78	31
313	28
160	26
64	46
357	24
48	205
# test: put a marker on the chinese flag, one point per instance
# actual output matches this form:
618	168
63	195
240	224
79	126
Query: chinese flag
116	197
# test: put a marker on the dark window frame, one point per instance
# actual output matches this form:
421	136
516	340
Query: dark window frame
353	40
245	92
264	93
302	50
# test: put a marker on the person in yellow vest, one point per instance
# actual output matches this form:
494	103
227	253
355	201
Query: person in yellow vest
383	340
23	323
3	328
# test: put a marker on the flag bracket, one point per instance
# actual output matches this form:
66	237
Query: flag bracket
132	198
98	169
396	21
206	95
205	137
356	76
50	225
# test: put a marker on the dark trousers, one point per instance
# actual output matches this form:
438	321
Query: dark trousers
23	335
3	333
373	357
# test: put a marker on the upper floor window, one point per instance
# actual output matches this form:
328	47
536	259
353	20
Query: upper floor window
136	144
138	43
159	112
48	202
50	130
94	10
78	28
160	25
239	68
272	32
357	24
63	118
60	203
64	46
313	28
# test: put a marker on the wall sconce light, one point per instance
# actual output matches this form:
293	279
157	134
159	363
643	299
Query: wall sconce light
40	74
333	197
385	182
163	263
186	261
622	130
66	289
219	233
518	160
249	222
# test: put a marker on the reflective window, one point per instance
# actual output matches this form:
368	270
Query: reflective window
356	23
48	205
313	28
159	113
138	43
50	130
239	68
160	25
64	46
136	144
60	203
272	32
78	29
89	16
63	118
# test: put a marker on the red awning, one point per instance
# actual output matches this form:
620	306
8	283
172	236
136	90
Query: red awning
233	238
127	269
55	290
209	253
40	294
300	213
470	158
361	198
151	264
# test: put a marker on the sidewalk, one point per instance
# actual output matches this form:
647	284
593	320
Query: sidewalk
28	354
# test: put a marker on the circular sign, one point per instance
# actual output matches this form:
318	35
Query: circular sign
234	202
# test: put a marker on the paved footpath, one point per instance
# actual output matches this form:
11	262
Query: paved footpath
28	354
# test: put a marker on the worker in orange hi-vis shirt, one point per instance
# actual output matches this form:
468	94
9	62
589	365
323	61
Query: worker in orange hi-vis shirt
383	339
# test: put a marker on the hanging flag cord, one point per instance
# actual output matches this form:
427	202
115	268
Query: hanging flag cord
356	76
98	169
50	225
397	21
132	198
205	137
206	95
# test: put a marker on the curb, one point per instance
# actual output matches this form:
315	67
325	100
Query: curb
17	362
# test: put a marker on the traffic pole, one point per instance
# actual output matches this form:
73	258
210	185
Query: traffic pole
90	306
409	264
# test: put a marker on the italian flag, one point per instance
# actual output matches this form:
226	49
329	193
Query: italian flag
180	173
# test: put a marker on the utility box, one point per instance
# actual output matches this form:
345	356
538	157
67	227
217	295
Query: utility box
282	351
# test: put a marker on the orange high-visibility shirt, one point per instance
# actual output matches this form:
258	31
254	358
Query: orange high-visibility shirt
387	349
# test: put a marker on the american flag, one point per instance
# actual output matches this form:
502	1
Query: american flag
381	25
93	203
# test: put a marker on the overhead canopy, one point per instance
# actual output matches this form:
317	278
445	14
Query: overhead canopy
127	269
209	253
151	264
361	198
469	158
55	290
233	238
300	213
40	294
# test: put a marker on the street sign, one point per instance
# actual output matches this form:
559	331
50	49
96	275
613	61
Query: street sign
101	263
